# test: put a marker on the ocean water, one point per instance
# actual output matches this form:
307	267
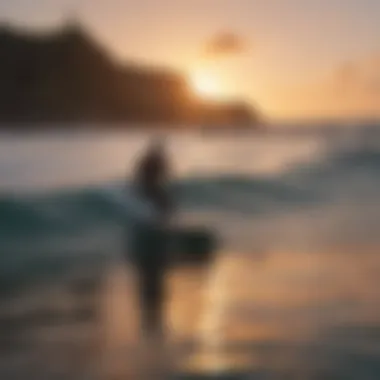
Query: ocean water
297	211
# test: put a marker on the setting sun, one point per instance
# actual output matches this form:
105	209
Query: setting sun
206	85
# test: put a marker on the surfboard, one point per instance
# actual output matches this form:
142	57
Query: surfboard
187	244
180	246
193	245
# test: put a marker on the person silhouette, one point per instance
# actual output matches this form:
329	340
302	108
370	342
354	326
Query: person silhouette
151	181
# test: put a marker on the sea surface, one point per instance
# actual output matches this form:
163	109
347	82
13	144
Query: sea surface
294	292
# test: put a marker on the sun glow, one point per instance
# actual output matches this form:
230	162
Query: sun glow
206	86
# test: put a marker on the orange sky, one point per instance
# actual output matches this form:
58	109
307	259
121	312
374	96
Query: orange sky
295	58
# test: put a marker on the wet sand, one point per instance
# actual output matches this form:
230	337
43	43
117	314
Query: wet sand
298	315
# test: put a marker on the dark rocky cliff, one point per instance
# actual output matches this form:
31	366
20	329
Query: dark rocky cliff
66	76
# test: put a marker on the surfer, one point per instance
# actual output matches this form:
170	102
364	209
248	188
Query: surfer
151	180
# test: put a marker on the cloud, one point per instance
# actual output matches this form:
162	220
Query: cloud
225	44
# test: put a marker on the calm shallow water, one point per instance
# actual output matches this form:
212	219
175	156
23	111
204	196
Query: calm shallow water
294	292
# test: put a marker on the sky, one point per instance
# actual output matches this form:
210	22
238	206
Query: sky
293	58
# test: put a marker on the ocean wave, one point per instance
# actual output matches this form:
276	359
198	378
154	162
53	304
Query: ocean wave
67	211
47	233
